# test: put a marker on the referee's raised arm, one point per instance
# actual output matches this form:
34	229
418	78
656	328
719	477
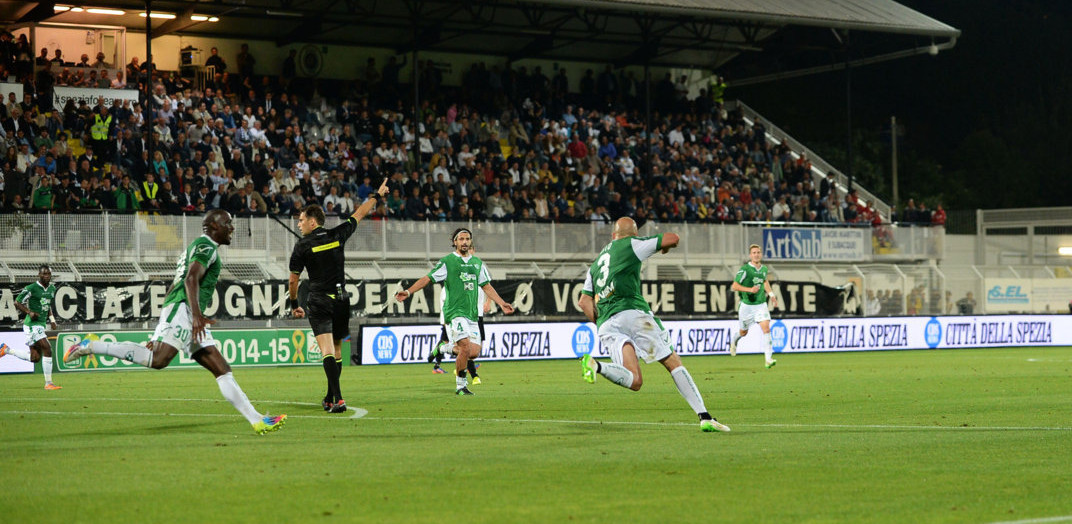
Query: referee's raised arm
369	204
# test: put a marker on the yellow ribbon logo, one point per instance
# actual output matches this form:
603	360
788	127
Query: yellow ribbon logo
298	338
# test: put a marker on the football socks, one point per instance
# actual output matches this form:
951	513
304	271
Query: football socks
129	351
332	370
20	352
617	374
46	367
237	397
687	387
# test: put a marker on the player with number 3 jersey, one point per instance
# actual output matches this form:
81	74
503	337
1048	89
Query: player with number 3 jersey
611	297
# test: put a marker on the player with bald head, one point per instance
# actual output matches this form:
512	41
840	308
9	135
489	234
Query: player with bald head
611	297
183	325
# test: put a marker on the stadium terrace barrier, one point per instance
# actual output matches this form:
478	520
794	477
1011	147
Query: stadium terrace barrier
400	344
117	236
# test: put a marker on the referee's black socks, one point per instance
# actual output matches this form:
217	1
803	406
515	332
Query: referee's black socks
332	369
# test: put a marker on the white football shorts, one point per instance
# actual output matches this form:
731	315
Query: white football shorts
645	332
462	328
34	333
750	314
176	329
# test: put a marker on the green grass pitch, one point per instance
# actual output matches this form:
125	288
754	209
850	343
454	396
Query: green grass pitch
909	436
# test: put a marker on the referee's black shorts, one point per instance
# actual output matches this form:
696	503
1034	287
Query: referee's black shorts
329	315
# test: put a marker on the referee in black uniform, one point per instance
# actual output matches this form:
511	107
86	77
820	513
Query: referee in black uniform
321	253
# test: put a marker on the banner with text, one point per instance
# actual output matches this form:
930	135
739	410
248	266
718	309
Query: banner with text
1018	295
816	244
241	347
566	340
141	301
92	95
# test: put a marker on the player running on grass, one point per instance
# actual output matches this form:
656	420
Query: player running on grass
184	327
35	301
611	298
749	282
461	274
437	353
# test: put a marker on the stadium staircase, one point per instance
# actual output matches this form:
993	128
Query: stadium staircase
819	167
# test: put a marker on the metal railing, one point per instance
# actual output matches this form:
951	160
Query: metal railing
101	237
819	167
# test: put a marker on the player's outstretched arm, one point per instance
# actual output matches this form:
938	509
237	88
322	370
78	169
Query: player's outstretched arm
369	204
489	290
588	306
417	286
670	241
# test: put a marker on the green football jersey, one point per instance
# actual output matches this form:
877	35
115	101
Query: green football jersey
206	251
614	279
749	276
462	278
39	300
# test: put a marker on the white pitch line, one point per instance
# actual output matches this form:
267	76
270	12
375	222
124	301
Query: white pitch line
360	413
1066	518
640	423
903	426
60	399
132	414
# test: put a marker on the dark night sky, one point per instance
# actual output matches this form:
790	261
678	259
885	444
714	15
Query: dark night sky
988	124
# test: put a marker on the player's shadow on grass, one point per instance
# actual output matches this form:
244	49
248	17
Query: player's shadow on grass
112	432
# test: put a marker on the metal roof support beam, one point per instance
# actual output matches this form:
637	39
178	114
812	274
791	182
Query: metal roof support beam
180	22
33	13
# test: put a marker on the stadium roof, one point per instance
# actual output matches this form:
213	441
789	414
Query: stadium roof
743	38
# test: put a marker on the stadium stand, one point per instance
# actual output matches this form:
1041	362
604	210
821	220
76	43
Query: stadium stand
506	145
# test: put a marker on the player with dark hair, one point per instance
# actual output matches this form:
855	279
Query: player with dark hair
321	252
184	327
612	299
754	289
461	274
35	301
436	355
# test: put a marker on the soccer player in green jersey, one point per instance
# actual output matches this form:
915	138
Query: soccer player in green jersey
754	289
184	327
462	275
35	301
611	298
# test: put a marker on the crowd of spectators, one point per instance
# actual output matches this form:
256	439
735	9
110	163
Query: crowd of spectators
507	144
